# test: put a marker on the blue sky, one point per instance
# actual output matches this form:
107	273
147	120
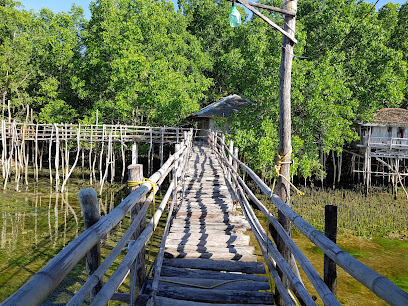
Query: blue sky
65	5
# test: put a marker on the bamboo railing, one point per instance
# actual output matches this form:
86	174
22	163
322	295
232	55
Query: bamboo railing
42	284
89	132
377	283
25	145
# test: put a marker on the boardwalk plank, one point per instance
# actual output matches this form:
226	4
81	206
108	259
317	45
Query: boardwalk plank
237	284
215	256
190	273
217	265
216	296
230	249
164	301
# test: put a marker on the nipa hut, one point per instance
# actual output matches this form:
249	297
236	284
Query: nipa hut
384	146
221	109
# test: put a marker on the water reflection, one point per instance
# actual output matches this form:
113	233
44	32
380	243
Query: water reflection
34	229
31	220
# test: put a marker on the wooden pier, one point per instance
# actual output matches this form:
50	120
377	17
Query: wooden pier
207	253
204	257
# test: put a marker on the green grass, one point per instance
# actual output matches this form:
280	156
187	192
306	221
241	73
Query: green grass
375	215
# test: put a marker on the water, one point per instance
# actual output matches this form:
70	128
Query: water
35	226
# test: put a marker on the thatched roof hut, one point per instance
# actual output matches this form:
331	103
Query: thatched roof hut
392	117
223	108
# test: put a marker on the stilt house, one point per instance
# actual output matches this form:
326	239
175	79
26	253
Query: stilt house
383	146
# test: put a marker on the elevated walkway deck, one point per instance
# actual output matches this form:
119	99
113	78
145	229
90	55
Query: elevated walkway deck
208	258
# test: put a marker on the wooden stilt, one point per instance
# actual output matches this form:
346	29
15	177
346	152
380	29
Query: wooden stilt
50	154
4	146
149	154
101	155
137	271
36	154
41	155
334	169
75	162
134	154
108	160
161	147
90	157
122	149
89	205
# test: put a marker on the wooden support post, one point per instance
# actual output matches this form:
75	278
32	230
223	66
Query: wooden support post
150	154
231	148
90	208
137	271
285	122
57	153
134	154
177	148
234	163
330	231
161	147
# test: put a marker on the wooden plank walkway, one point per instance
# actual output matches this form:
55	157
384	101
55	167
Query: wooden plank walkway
207	257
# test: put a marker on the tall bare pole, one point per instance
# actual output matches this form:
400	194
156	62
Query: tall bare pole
285	123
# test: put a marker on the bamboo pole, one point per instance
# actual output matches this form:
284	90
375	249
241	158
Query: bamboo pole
150	153
101	155
134	154
49	155
36	154
57	152
108	157
4	146
137	271
41	155
75	162
89	206
330	231
161	146
66	153
90	157
122	149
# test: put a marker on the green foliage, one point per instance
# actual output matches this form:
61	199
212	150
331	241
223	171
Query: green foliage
141	59
346	80
57	111
141	62
16	51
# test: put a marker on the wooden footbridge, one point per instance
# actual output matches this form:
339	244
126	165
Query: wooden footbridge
205	256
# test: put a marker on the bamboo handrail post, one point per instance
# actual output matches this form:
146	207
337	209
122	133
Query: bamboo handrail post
137	277
134	153
231	148
330	231
89	206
